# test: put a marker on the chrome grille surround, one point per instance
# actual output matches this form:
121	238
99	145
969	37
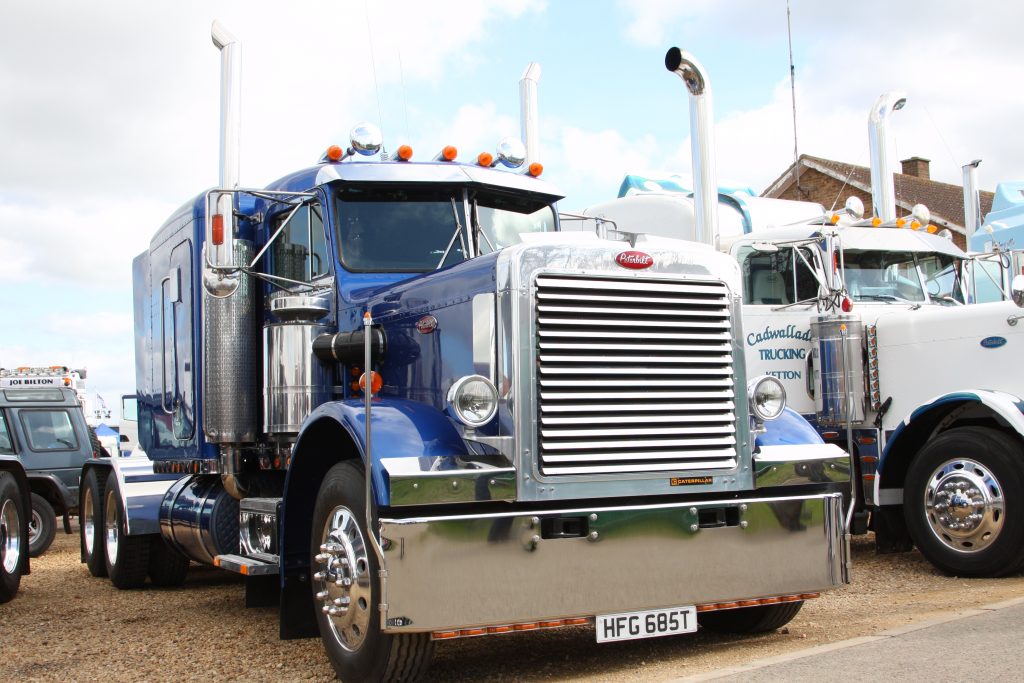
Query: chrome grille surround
633	375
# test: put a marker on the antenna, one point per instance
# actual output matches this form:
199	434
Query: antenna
792	90
373	67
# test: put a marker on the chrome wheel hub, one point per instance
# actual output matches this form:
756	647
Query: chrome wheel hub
342	581
35	526
87	522
110	528
10	536
964	505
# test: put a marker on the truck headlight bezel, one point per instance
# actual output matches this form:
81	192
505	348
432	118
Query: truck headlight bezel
767	398
473	400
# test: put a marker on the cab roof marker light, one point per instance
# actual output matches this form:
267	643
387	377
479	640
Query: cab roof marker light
447	154
485	159
535	169
403	153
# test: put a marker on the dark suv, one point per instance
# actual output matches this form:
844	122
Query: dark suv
46	430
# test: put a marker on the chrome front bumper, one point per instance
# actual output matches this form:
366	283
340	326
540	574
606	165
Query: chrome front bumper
475	570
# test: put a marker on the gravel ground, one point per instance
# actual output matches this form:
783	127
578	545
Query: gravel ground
65	625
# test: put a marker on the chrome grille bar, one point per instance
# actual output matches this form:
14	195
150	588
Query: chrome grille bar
635	375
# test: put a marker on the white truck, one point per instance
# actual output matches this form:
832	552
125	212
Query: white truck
865	324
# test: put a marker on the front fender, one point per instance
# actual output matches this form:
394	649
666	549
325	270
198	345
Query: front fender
789	429
398	429
919	426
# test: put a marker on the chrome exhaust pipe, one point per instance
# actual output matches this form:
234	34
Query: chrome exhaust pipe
702	143
220	226
883	193
528	110
972	198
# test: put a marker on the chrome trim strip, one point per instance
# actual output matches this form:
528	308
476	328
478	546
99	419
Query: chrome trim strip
627	558
792	465
468	482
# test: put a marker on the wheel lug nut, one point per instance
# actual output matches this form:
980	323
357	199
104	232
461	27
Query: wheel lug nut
342	602
319	576
344	581
322	595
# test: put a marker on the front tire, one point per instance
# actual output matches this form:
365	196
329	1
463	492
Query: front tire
42	526
346	589
127	557
964	502
12	541
759	619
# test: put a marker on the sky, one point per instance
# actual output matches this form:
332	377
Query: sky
109	113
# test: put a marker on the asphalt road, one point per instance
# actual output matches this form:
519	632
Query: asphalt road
982	644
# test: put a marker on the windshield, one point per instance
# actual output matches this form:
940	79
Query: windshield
902	276
391	229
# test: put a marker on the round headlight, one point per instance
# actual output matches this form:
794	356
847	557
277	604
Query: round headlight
473	400
767	397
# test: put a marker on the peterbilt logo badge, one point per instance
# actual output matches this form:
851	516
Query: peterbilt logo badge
426	324
636	260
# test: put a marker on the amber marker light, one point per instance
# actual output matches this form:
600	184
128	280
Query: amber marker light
449	153
932	229
334	153
485	159
404	153
536	168
217	228
375	382
901	222
835	218
875	222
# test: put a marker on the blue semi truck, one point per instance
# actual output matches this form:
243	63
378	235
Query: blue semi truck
407	408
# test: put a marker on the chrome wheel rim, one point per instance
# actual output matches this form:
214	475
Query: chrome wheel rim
10	536
964	505
35	527
87	522
110	528
341	584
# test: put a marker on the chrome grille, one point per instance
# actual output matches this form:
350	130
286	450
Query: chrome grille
634	375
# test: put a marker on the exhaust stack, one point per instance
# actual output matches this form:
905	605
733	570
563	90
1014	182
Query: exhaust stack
220	227
972	199
702	143
883	194
528	110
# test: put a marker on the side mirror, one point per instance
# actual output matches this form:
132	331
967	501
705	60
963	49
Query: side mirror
1017	290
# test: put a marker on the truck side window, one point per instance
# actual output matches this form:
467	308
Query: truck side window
300	251
777	278
49	430
6	445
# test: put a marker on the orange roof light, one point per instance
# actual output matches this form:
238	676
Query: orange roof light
875	222
900	222
536	169
404	153
334	153
835	218
932	229
485	159
448	153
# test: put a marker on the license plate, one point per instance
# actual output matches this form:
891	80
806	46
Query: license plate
648	624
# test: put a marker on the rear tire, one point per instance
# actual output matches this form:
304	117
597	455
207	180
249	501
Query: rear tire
964	502
167	567
127	557
42	526
90	521
357	648
13	543
760	619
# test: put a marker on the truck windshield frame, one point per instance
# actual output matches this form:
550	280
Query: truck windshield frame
901	276
415	229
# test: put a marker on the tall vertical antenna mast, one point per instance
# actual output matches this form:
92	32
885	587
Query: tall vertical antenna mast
792	90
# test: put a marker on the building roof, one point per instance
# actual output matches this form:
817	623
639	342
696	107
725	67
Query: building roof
945	201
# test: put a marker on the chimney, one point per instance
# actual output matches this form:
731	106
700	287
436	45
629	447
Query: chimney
917	167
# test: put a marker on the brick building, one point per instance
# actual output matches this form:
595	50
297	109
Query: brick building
830	183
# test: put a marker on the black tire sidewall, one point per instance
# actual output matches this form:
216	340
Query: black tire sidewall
96	562
48	525
10	581
996	452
